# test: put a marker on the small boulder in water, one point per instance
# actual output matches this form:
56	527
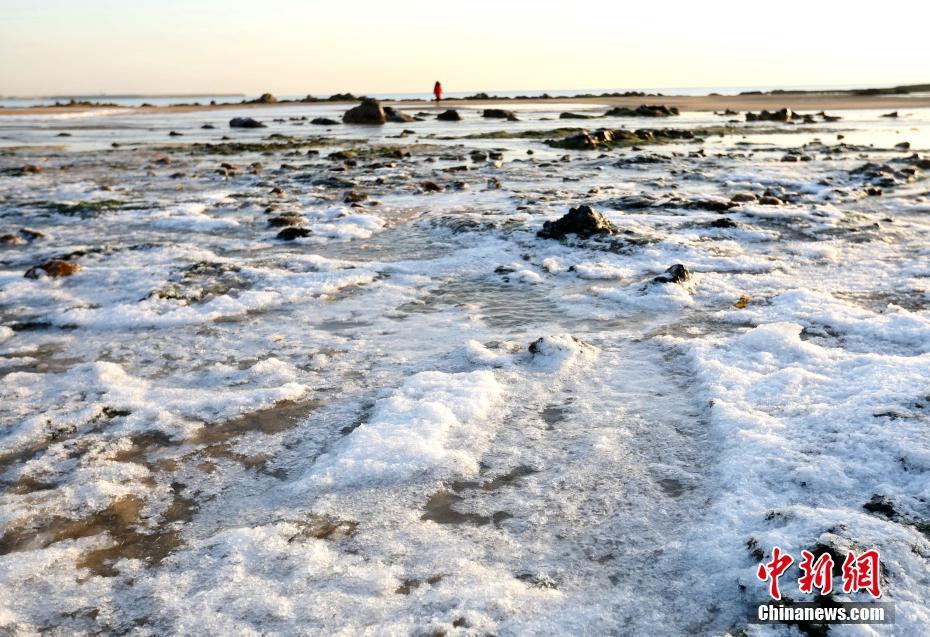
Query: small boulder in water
450	115
284	221
499	113
245	122
53	268
294	232
323	121
354	196
394	115
675	274
584	140
781	115
643	110
368	112
582	221
770	200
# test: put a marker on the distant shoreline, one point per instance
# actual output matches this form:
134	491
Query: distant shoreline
798	101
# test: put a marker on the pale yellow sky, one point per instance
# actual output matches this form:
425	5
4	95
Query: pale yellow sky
292	47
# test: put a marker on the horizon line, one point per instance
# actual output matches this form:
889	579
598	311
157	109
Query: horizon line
845	86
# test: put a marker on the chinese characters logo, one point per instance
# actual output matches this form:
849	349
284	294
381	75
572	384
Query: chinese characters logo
860	572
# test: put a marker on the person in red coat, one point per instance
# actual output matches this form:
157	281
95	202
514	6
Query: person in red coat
437	91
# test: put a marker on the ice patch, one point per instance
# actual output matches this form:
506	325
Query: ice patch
39	405
350	227
808	435
606	271
434	422
557	351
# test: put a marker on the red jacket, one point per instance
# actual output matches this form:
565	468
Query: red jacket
437	91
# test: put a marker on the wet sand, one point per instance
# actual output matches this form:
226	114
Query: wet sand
798	102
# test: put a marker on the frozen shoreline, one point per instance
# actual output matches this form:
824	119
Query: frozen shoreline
423	417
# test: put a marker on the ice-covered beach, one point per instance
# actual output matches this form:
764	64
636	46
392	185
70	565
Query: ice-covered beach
418	417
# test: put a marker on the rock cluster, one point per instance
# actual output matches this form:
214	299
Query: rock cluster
643	110
582	221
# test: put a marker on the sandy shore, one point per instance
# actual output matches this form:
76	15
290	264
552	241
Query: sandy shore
798	102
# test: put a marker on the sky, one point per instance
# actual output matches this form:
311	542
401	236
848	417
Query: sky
299	47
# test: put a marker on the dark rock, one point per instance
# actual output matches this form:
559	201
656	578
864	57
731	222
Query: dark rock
881	505
499	113
31	235
394	115
723	222
768	200
430	186
712	205
245	122
368	112
586	141
675	274
294	232
893	114
175	134
63	135
781	115
208	127
354	197
574	116
284	221
885	175
12	240
903	146
53	268
643	110
582	221
744	197
324	121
